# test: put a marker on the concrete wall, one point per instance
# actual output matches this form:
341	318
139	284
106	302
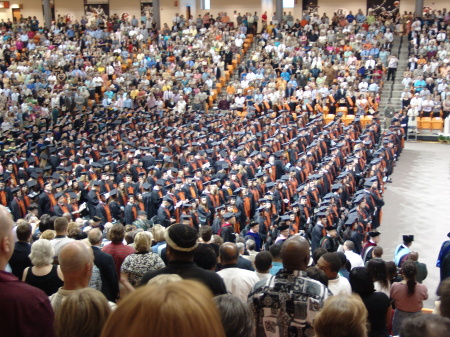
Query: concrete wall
170	7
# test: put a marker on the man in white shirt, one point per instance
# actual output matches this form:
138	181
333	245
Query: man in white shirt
355	259
238	282
330	263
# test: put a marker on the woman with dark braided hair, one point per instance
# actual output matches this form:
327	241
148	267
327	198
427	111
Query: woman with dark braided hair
407	295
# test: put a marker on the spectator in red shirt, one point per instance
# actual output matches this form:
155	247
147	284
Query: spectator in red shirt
116	248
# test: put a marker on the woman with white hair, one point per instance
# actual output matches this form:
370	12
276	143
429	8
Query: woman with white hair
43	275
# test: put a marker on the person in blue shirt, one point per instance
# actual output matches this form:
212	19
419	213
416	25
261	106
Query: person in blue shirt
285	75
350	17
402	251
277	263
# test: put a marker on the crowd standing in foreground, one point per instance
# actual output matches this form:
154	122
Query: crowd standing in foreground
126	160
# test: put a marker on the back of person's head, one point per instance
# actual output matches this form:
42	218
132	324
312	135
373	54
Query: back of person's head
158	233
250	244
205	256
237	318
344	261
377	251
42	253
349	245
425	325
95	236
361	282
205	233
182	240
295	253
241	247
129	237
83	313
318	275
117	233
183	309
61	224
75	258
142	242
48	234
409	272
377	271
444	293
217	239
163	279
275	251
23	232
229	253
317	254
263	262
342	316
391	270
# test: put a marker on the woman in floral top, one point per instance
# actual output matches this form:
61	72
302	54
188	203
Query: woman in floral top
136	265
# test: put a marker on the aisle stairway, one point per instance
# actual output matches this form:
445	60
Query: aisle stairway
393	89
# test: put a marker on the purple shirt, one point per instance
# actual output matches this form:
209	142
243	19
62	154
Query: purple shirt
26	310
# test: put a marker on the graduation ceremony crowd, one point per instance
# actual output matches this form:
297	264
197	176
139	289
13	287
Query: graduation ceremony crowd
218	177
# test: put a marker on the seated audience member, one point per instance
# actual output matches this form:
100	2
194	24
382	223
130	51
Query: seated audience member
181	244
20	301
330	263
343	315
44	274
186	308
83	313
377	303
237	319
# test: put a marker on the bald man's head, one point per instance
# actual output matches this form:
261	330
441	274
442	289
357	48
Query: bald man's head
295	253
75	258
414	256
229	253
6	237
95	236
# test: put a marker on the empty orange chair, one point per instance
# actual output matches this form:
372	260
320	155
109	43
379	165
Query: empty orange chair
342	109
329	118
348	119
425	123
437	123
366	120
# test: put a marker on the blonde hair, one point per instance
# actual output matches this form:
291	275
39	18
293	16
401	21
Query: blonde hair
342	316
142	242
83	313
163	279
184	309
42	253
48	234
158	233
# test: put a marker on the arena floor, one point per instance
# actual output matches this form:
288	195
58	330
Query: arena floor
418	203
